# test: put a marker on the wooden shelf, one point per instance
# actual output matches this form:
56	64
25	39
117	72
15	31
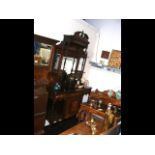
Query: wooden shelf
106	68
106	99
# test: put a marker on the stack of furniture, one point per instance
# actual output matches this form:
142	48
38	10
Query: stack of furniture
43	50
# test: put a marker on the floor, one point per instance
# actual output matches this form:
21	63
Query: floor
61	126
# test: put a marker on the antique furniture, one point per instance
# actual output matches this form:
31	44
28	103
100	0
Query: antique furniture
71	54
63	105
44	49
67	89
98	95
83	129
43	55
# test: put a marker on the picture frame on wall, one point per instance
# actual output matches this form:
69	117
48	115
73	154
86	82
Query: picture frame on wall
115	59
105	54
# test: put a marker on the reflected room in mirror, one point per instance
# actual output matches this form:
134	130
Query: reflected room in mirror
42	53
69	64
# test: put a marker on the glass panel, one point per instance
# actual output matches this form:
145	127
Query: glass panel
67	64
80	66
42	53
74	65
63	63
56	61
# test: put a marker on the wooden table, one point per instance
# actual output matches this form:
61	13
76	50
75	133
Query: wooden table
82	129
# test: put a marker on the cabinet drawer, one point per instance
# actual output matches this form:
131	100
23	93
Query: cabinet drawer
40	103
39	121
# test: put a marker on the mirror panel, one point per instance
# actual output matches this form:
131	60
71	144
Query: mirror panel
56	61
42	53
80	66
68	64
74	65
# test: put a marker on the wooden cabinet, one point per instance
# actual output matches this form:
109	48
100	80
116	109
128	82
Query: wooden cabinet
72	104
44	49
40	106
64	105
67	89
43	56
70	58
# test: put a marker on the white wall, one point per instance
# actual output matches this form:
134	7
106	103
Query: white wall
109	38
103	80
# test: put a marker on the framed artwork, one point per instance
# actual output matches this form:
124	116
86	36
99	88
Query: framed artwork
105	54
115	59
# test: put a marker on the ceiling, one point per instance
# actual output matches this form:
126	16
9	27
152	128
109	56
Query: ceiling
99	23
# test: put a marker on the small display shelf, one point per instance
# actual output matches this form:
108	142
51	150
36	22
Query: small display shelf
108	68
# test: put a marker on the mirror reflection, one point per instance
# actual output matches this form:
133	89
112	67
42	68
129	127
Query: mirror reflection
80	66
69	64
56	61
42	53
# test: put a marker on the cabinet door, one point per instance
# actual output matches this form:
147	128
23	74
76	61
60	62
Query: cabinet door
55	109
72	104
57	113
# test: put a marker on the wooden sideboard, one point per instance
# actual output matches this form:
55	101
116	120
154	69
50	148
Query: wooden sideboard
64	105
82	129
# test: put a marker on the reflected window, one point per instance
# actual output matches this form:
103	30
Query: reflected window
56	61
